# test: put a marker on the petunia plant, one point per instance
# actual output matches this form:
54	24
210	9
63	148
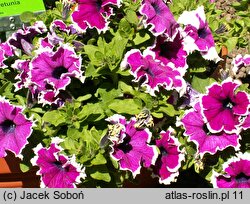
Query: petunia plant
102	93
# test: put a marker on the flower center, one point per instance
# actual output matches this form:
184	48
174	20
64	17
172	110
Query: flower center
170	50
99	4
227	103
242	178
202	33
156	7
8	126
163	151
148	71
58	71
58	164
125	146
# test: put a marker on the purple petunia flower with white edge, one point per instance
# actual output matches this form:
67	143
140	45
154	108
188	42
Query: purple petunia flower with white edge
15	128
56	169
206	141
246	121
169	160
222	107
197	34
151	73
22	38
130	145
23	77
171	52
93	14
237	173
55	69
158	15
241	61
5	51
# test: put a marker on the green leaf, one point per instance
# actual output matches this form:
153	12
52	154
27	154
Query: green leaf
141	38
231	43
132	17
99	159
200	84
127	106
101	176
24	168
27	16
55	117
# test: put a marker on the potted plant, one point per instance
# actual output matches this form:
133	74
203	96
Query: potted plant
110	93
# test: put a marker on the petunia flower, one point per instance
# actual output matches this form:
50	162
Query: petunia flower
152	73
5	52
237	173
93	14
158	15
223	105
197	34
171	52
206	142
15	128
131	149
246	123
23	77
169	159
56	169
241	61
53	70
22	38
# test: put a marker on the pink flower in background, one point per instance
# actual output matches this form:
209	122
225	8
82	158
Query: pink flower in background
93	14
169	159
159	16
222	106
57	170
197	34
15	128
152	73
237	173
171	51
206	141
131	147
53	70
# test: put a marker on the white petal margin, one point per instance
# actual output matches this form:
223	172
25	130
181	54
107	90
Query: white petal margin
239	156
212	55
190	17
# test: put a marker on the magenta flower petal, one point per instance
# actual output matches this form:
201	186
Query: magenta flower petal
15	128
170	158
55	68
206	141
133	149
5	51
246	123
56	170
237	173
93	13
222	106
152	73
160	17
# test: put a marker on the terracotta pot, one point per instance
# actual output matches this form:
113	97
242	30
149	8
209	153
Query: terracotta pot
11	175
